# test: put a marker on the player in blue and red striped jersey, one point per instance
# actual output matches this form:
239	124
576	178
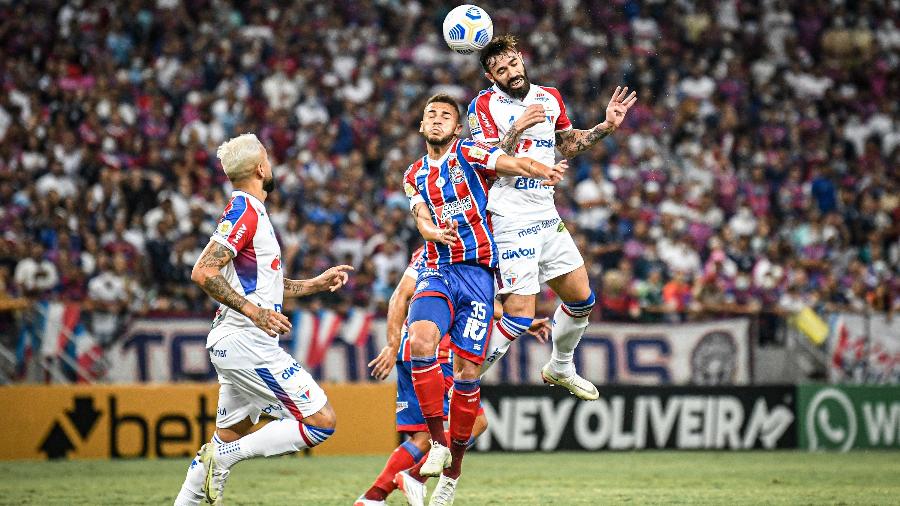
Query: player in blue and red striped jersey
454	294
402	468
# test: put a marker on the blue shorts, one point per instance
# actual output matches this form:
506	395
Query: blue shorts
459	299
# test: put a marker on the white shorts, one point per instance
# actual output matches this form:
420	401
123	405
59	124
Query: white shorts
257	376
532	252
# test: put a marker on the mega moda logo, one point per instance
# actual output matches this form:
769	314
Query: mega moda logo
456	207
518	253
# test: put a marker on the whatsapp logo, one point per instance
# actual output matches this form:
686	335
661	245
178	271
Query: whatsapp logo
831	421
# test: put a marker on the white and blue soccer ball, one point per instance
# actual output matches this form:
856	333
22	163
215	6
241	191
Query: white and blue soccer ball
467	29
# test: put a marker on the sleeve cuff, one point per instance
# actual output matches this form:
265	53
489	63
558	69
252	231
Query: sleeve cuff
224	242
415	199
493	157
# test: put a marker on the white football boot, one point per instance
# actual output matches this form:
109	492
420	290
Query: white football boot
414	490
362	501
438	459
216	476
578	386
444	492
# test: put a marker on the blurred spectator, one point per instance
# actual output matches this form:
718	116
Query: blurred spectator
767	132
35	276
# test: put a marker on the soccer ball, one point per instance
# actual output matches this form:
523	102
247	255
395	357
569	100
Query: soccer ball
467	29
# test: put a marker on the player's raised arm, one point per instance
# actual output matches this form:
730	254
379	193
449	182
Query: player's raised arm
511	166
572	142
331	280
396	314
207	273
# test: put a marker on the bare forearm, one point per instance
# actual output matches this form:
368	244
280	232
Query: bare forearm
300	287
574	142
396	314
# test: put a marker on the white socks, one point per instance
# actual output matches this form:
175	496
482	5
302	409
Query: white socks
275	438
191	493
569	322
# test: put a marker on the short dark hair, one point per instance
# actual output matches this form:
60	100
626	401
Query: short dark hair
497	46
445	99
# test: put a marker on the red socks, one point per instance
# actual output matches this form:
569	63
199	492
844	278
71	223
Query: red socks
463	410
428	382
404	457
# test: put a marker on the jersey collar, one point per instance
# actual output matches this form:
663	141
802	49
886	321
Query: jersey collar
440	161
532	89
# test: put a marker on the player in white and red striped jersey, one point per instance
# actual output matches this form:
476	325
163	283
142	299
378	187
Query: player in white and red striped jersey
241	269
528	120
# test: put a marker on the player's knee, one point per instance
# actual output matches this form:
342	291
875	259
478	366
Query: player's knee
519	305
580	308
467	370
423	337
325	418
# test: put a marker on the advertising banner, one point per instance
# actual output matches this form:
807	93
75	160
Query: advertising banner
708	353
864	349
106	421
332	347
848	417
538	418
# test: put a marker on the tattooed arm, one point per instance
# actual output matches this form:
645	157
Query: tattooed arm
207	273
533	115
573	142
332	279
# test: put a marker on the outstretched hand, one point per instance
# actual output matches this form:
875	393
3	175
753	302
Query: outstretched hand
619	105
334	278
556	174
540	328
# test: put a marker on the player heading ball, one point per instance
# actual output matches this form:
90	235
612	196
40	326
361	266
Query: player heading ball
448	195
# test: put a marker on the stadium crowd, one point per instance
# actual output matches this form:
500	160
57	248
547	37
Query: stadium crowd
758	171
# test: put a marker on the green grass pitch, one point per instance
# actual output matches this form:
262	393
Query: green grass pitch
653	477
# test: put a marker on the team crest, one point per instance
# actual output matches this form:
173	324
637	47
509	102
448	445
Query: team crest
456	174
224	227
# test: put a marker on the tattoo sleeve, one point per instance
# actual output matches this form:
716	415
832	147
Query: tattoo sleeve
216	256
509	141
574	142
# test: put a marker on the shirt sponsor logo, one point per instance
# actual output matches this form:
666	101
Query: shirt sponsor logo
456	207
518	253
528	183
488	126
537	227
240	233
290	371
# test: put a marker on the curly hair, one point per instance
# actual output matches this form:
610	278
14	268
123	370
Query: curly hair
497	46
